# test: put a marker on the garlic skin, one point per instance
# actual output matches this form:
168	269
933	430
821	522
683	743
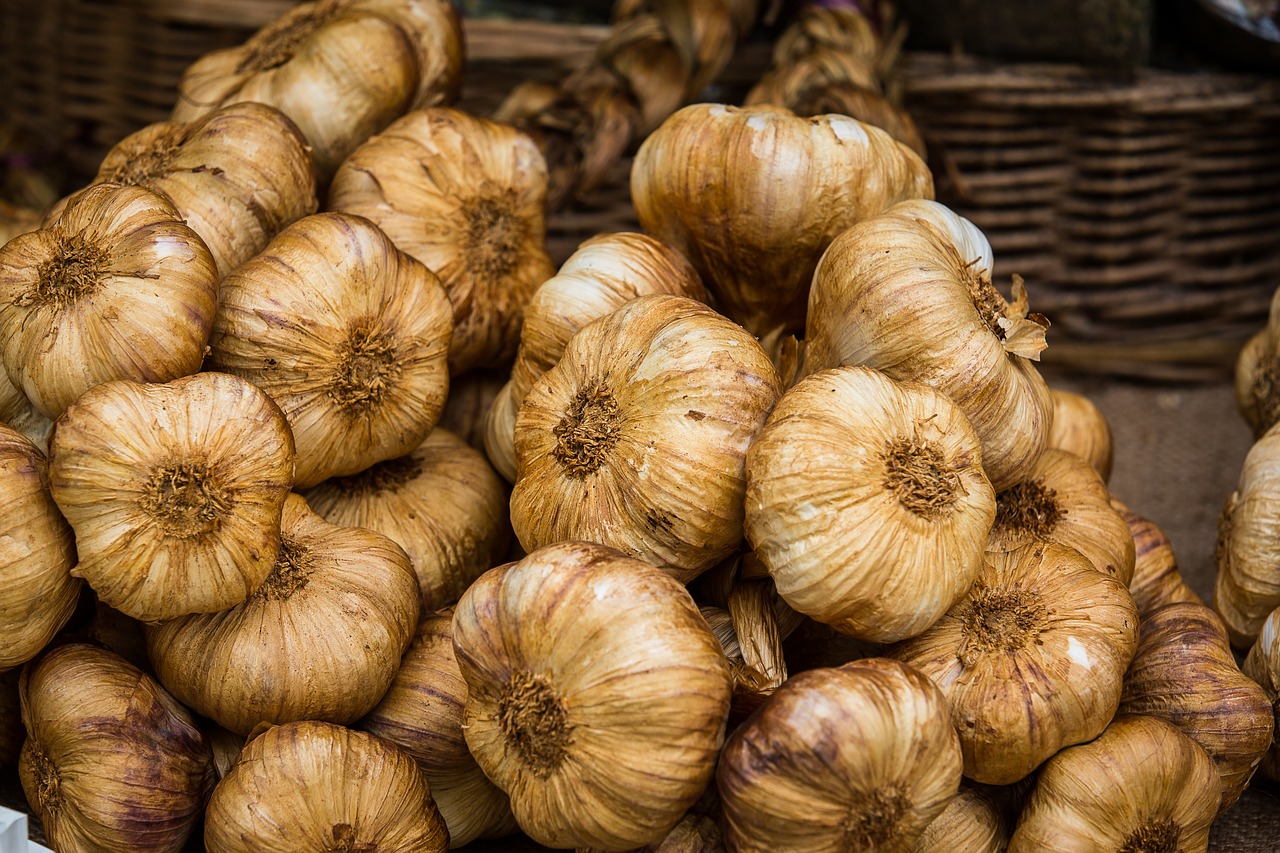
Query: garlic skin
1142	785
1262	664
347	334
316	786
597	696
1247	587
753	196
319	639
862	757
466	197
111	761
867	502
601	276
1156	579
973	822
17	412
116	288
174	491
1031	660
917	278
1079	427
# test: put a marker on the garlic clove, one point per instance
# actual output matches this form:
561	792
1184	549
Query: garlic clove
1079	427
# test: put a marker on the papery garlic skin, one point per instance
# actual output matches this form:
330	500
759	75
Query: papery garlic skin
862	757
867	501
1262	664
1247	587
17	412
118	287
316	786
973	822
1080	428
597	696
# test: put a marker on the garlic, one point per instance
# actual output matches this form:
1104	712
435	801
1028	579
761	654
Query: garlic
917	278
17	412
1080	428
1262	664
347	334
174	491
1031	660
1142	786
1257	375
319	639
753	196
111	761
867	501
973	822
857	758
116	288
226	745
317	786
1156	579
597	696
1247	587
605	272
637	438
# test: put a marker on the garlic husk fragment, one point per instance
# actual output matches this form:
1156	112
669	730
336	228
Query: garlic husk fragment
1079	427
1262	664
117	287
1247	587
174	491
1142	786
347	334
1031	660
17	412
973	822
1184	672
1064	500
604	273
319	639
12	733
862	757
422	714
917	278
37	551
315	786
466	197
867	502
753	196
597	696
111	761
1156	579
637	439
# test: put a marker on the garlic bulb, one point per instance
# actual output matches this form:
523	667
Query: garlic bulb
857	758
442	503
867	501
347	334
466	196
174	491
317	786
973	822
753	196
597	696
1031	660
17	412
1184	672
605	272
1062	499
1262	664
1257	375
917	278
319	639
1141	786
1247	587
1080	428
116	288
637	438
111	761
37	551
422	714
1156	579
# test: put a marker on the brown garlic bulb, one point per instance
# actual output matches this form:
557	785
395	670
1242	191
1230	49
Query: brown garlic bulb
1262	664
319	639
918	277
1062	499
1257	375
340	69
442	503
973	822
862	757
1247	587
315	786
867	501
605	272
37	551
597	696
1031	660
1079	427
116	288
11	731
637	439
466	197
1184	672
17	412
111	761
753	196
174	491
471	396
1156	579
422	714
1142	786
347	334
